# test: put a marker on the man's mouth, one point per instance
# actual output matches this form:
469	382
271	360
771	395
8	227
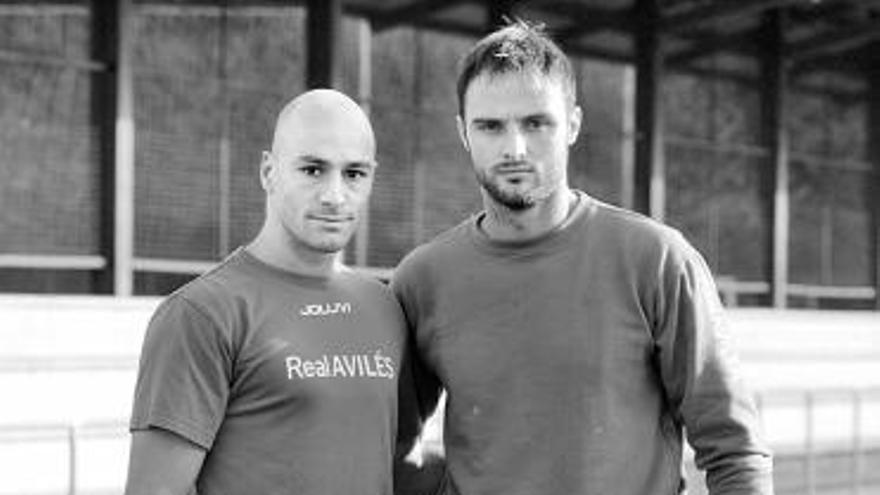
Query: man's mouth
333	219
514	168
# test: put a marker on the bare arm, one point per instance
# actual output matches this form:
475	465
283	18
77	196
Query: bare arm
162	463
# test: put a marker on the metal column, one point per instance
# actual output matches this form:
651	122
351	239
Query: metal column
324	44
776	177
113	117
649	190
874	158
365	98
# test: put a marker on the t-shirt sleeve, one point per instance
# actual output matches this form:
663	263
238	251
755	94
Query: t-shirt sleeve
701	376
185	373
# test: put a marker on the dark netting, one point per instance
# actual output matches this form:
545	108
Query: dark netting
209	82
714	198
830	234
831	188
48	172
26	280
714	173
178	114
596	159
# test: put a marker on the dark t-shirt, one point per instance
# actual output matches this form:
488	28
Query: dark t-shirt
288	382
574	362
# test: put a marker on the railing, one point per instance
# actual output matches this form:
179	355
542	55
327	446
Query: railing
860	447
730	290
833	462
71	437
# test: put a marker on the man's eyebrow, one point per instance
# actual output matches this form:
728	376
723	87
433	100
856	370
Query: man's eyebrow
486	120
308	158
318	160
363	164
537	115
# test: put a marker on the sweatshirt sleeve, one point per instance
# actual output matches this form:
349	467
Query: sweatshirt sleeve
702	380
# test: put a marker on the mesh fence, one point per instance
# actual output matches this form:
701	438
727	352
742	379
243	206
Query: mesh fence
209	82
714	167
48	175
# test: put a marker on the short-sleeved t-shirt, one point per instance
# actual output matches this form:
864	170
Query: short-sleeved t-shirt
288	382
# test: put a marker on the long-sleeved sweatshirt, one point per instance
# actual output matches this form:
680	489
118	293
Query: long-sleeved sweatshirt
575	363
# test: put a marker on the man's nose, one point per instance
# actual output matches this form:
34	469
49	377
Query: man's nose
332	191
515	145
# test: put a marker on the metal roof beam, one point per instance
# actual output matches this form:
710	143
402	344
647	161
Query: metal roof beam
743	41
451	27
836	40
409	14
855	63
711	12
585	20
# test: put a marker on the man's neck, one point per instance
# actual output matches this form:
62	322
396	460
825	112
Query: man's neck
503	224
293	258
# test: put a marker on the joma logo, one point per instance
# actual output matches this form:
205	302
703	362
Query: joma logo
325	309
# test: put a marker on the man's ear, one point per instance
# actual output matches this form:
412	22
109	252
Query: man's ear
462	133
574	124
267	171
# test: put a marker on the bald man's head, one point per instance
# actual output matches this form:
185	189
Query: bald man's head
322	112
319	174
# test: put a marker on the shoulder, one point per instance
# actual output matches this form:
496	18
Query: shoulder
633	224
449	246
637	234
208	296
364	284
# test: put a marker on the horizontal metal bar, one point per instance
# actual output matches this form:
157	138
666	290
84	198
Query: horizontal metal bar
53	261
162	265
718	146
826	161
811	159
832	292
820	395
31	8
45	363
31	432
727	284
60	61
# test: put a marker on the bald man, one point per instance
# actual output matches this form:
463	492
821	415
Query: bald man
276	371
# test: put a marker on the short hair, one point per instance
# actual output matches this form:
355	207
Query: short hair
517	47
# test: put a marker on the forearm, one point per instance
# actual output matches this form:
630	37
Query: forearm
162	463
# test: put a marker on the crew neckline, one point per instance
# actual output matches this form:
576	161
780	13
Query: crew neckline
251	261
550	240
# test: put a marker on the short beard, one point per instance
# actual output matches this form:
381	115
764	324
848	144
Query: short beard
513	201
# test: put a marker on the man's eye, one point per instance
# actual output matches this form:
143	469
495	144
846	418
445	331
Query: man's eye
535	124
311	170
489	126
355	174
